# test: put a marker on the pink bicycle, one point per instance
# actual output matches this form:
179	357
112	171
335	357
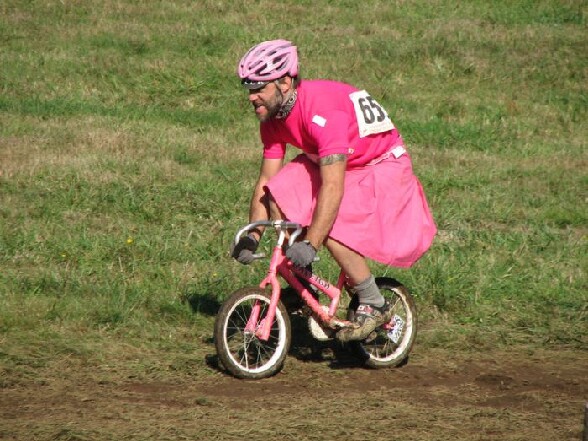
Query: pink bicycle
252	331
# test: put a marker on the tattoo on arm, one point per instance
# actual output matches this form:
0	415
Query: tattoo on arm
331	159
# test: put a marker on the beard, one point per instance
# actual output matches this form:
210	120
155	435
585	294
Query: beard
272	106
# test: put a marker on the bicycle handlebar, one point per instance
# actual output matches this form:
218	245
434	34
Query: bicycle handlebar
279	225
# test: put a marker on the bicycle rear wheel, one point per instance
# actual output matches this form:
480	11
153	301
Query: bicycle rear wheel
241	352
393	341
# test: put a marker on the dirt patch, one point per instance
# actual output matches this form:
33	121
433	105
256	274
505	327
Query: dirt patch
437	395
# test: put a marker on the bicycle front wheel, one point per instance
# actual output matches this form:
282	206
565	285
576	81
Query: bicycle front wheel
393	341
241	352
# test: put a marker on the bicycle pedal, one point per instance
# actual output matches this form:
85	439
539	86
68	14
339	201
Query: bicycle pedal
319	332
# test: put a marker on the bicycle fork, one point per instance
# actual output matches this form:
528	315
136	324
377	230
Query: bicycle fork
262	329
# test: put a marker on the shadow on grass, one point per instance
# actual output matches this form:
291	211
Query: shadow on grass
310	350
203	303
306	348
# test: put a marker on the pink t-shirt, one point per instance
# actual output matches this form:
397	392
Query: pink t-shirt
329	118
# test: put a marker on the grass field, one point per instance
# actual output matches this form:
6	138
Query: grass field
128	152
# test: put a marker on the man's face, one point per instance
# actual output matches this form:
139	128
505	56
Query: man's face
266	101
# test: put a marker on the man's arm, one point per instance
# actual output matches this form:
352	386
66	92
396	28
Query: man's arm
332	169
259	206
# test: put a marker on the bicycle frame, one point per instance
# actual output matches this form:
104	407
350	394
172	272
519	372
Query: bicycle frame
253	328
280	264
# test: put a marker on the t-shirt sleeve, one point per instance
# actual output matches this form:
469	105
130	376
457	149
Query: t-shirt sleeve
274	151
330	131
271	148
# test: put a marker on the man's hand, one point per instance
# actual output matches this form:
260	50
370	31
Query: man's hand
301	254
243	251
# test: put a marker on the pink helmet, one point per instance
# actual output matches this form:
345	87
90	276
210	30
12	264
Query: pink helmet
268	61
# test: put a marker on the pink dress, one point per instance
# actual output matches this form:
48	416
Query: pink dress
384	214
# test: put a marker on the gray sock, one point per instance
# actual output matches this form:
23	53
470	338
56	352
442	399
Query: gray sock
368	292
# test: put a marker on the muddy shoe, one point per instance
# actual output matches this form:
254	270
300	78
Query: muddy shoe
367	319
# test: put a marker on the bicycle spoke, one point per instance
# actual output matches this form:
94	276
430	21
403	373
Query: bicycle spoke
251	352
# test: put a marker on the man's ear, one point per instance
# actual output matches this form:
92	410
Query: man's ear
285	84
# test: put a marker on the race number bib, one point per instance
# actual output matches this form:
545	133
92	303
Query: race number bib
371	116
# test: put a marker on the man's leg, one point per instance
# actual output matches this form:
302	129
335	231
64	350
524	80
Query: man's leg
373	310
275	211
358	272
352	263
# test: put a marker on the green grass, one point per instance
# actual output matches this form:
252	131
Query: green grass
128	152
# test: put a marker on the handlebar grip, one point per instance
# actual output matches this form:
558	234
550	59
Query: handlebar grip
275	224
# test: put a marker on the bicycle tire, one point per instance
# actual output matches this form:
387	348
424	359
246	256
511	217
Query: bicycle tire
394	341
243	355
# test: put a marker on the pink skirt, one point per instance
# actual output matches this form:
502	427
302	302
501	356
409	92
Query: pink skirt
383	215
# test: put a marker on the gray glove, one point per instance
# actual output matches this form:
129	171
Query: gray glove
243	251
301	254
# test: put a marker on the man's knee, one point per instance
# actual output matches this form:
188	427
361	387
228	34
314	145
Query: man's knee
274	208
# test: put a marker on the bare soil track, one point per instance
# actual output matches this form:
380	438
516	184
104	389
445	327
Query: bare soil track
516	394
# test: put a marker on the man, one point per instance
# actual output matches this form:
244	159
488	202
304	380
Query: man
352	186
